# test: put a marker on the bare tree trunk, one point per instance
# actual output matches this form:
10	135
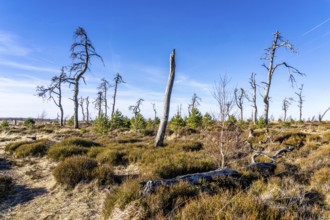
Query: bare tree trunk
105	104
300	101
270	74
221	146
162	126
254	98
87	109
270	55
62	116
118	79
81	103
75	102
114	101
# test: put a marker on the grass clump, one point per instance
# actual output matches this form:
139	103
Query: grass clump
192	146
180	164
126	140
166	199
13	146
6	183
113	157
326	137
227	205
94	151
105	175
321	182
70	147
121	196
74	170
38	148
59	152
77	141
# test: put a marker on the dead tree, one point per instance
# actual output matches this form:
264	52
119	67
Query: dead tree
149	186
54	92
81	103
155	110
265	168
118	79
136	108
98	102
270	55
136	111
82	51
285	106
104	86
87	109
300	101
194	103
159	141
321	116
239	96
253	85
224	96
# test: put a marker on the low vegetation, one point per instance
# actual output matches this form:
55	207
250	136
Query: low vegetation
38	148
298	188
70	147
74	170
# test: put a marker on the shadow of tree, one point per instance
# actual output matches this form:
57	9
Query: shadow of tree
4	164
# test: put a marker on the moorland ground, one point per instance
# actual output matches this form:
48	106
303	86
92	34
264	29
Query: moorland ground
78	174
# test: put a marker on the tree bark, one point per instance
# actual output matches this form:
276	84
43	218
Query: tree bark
270	75
151	185
87	109
162	126
254	98
75	102
114	100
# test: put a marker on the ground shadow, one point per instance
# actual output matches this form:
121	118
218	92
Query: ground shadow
4	164
20	194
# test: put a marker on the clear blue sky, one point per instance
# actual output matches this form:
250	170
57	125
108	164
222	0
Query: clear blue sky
135	38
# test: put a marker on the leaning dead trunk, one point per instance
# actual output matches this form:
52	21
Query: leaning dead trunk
162	126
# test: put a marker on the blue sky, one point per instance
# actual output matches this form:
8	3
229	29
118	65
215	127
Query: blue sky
135	38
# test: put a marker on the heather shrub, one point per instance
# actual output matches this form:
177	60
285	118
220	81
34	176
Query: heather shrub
94	151
59	152
166	199
179	164
121	196
113	157
13	146
105	175
38	148
74	170
77	141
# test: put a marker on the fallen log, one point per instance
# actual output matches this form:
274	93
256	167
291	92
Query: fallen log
150	185
265	169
